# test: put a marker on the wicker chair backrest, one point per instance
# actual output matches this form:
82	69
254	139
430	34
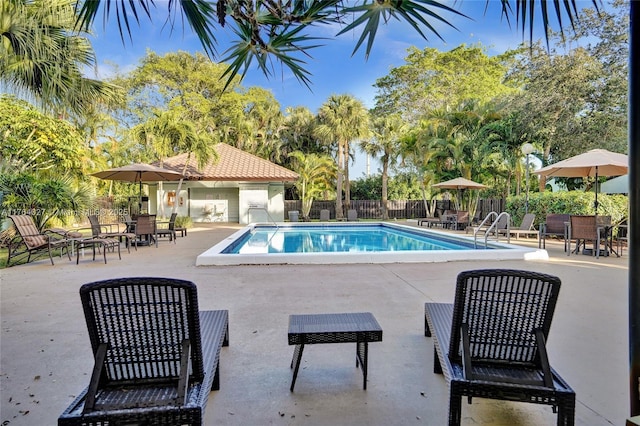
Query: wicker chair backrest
145	224
502	309
584	227
143	321
94	221
29	232
462	216
172	221
555	223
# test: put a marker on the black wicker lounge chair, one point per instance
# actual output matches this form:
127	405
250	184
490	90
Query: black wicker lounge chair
30	241
491	342
156	356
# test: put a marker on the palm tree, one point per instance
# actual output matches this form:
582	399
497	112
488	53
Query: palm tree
41	59
169	132
420	148
503	147
342	119
387	131
316	174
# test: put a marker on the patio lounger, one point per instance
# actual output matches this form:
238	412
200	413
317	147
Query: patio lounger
429	221
491	342
325	216
352	215
30	241
156	356
526	227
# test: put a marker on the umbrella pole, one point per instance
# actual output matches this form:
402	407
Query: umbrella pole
139	192
595	203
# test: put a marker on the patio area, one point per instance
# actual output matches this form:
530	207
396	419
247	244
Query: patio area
46	360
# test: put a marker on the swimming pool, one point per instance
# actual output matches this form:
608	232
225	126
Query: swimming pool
339	243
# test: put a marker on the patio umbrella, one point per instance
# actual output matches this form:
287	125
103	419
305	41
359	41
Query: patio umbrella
138	172
459	184
597	162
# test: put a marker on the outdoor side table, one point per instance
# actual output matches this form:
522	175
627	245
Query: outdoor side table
360	328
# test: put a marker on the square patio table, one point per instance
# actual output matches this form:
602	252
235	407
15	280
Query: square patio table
360	328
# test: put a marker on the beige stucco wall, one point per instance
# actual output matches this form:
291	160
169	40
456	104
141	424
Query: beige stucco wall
208	201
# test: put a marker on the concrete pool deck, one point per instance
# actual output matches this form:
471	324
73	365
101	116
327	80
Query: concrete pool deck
45	356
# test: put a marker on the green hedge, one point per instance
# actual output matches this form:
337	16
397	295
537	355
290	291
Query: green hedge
568	202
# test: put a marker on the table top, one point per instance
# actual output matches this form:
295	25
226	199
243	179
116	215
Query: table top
334	328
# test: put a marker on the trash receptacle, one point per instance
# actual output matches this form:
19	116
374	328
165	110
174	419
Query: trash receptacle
293	215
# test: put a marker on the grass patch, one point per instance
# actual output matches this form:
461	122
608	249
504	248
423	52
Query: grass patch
4	252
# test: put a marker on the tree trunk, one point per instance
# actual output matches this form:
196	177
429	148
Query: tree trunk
184	171
340	179
347	182
385	196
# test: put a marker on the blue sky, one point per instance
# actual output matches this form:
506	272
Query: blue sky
334	70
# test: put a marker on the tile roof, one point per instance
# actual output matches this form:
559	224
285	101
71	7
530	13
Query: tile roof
232	164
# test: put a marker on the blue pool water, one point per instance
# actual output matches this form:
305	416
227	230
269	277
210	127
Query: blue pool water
341	239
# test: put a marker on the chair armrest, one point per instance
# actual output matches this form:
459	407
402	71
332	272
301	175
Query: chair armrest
79	230
90	400
544	358
183	381
110	226
466	352
71	233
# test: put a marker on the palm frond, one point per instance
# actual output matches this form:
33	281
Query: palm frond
525	14
280	45
414	12
200	14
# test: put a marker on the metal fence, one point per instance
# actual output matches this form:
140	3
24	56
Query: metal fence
397	209
367	209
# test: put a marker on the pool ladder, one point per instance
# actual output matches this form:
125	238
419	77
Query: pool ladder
264	209
493	227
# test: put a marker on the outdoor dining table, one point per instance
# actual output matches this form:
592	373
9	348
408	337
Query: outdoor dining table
360	328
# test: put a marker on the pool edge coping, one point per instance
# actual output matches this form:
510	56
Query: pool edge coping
503	251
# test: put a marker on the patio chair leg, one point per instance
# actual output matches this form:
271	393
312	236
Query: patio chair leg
437	367
297	356
455	408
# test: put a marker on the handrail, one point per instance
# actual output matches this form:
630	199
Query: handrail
264	209
493	226
479	228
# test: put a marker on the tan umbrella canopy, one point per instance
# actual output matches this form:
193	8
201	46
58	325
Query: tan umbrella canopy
138	172
597	162
459	184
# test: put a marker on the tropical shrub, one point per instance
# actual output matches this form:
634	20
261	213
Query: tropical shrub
568	202
50	200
